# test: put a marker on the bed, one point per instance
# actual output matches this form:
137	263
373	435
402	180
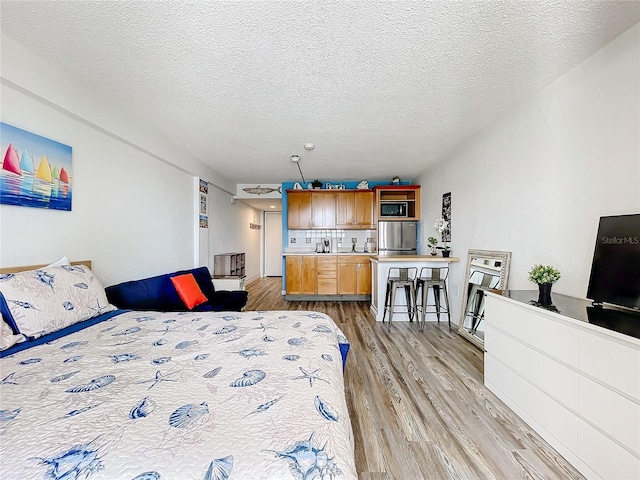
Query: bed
169	395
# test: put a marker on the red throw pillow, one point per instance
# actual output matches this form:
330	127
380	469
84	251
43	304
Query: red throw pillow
189	290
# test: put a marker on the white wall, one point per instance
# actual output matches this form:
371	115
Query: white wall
229	231
537	180
134	195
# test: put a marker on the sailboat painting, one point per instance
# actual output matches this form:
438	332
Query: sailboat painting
35	171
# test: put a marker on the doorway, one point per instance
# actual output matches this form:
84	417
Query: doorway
273	244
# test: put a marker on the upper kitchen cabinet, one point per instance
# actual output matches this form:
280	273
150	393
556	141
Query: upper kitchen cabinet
309	209
397	202
323	210
355	209
299	207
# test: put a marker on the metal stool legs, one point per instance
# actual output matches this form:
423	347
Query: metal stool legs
400	278
435	279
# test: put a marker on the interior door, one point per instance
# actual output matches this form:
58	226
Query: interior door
273	244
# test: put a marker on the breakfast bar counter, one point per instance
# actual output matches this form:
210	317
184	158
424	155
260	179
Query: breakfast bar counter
380	265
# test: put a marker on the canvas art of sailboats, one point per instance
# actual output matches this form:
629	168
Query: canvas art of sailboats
28	172
44	180
48	185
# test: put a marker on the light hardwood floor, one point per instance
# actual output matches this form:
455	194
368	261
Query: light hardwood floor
418	406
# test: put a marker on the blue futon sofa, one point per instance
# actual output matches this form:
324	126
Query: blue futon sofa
159	294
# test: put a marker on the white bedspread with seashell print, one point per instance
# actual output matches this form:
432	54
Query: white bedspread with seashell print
150	395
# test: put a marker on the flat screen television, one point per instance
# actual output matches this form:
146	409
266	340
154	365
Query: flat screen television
615	271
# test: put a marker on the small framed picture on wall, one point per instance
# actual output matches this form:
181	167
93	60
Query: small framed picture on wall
446	215
203	204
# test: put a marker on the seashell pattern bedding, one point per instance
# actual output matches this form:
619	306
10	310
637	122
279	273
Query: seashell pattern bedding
148	395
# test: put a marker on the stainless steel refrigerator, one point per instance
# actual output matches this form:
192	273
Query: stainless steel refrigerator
397	238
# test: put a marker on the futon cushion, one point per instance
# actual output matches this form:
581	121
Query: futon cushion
159	294
188	290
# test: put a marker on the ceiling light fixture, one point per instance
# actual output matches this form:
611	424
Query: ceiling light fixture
309	146
296	159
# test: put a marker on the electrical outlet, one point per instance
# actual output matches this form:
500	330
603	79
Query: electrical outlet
293	240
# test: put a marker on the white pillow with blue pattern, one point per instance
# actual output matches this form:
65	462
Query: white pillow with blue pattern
7	337
37	302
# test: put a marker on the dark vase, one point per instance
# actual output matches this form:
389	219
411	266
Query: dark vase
544	297
445	253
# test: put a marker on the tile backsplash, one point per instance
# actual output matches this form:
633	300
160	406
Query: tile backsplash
309	238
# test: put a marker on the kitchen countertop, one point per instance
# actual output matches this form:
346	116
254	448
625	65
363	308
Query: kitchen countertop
414	258
326	254
383	258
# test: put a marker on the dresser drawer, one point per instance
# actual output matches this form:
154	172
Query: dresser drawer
545	373
534	329
611	362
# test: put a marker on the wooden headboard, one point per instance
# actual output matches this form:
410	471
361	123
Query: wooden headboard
34	267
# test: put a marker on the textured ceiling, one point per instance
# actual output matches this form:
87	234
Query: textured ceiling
380	88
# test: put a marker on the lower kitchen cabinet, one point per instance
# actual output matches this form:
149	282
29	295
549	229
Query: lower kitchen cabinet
354	275
327	283
301	274
363	285
328	277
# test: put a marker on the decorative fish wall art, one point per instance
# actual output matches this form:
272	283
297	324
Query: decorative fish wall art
261	190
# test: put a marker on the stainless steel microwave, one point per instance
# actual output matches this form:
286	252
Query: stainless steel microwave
394	209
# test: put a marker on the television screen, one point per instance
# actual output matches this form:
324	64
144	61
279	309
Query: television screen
615	271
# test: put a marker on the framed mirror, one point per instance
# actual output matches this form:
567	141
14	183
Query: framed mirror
486	269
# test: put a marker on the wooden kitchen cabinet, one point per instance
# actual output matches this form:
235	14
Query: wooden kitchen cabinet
327	275
310	210
347	278
354	275
301	274
363	278
355	209
323	210
299	206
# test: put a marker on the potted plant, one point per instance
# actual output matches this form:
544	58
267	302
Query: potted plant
544	276
441	226
433	241
316	184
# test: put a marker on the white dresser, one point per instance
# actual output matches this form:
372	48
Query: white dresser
575	383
